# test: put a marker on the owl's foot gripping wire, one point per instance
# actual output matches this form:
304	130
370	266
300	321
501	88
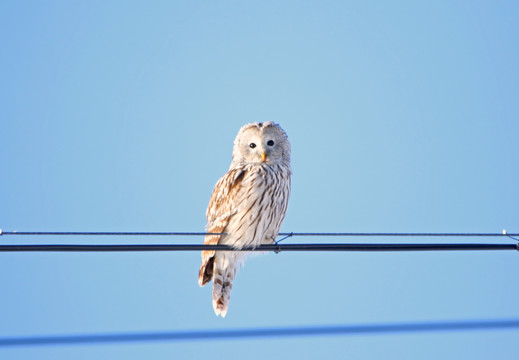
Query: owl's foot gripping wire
278	250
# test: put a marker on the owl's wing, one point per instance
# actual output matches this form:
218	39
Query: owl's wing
221	207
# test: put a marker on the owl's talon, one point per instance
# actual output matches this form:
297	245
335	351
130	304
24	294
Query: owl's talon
278	249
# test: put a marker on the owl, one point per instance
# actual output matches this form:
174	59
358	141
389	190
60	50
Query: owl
248	205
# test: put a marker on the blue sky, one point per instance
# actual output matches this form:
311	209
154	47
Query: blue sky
120	116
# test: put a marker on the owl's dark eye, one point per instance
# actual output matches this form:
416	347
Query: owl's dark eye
270	142
252	145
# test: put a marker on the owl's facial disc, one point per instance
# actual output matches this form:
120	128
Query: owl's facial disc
261	145
273	143
251	146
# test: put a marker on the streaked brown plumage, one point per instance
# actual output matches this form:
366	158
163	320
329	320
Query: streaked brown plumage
248	204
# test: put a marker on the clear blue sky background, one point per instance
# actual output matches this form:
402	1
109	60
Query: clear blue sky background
120	116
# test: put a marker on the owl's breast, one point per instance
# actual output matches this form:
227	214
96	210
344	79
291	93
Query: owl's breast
260	207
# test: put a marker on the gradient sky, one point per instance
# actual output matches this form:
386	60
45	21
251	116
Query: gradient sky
120	116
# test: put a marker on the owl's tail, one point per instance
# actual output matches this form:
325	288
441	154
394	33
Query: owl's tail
223	275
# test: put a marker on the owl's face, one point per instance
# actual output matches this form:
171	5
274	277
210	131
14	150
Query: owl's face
261	143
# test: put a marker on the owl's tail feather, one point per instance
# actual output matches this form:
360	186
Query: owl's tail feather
223	276
206	271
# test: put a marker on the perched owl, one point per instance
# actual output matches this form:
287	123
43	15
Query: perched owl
248	204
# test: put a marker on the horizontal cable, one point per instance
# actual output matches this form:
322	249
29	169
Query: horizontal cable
272	247
105	233
252	333
358	234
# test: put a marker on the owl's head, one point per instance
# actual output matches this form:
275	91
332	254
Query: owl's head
261	143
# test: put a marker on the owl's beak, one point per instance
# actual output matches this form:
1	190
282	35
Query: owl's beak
263	157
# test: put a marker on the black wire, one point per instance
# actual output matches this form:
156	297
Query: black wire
273	247
388	234
122	233
106	233
254	333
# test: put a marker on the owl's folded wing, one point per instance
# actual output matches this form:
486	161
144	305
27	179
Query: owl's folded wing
221	208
